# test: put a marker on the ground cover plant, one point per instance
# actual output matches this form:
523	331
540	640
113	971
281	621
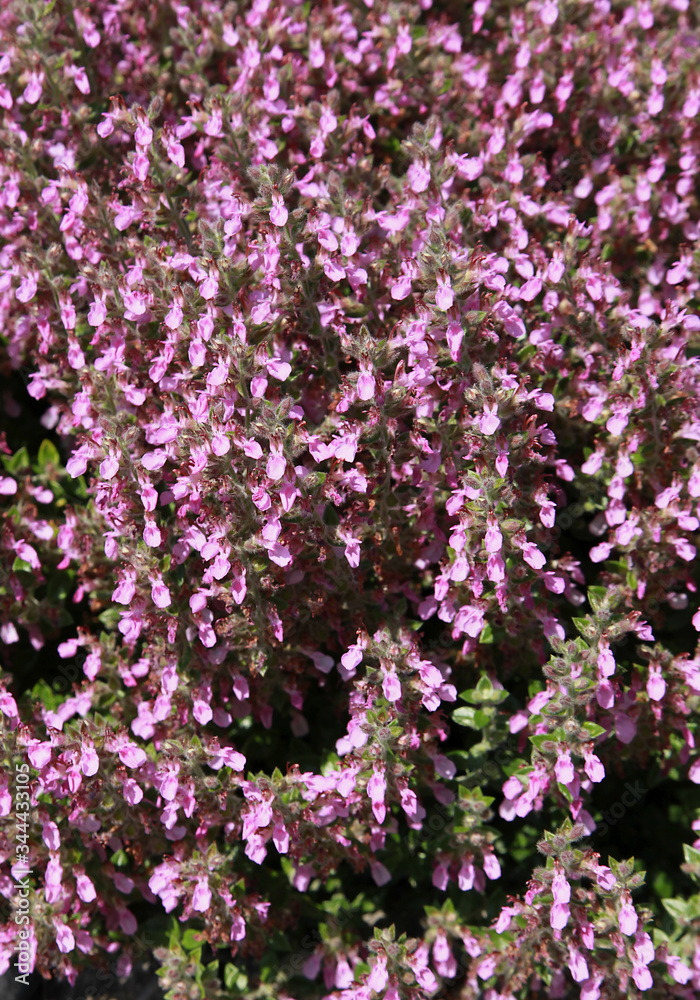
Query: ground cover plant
350	477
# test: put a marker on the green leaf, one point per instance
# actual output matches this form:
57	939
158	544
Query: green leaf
361	969
110	618
678	908
598	598
48	455
486	636
593	729
18	461
119	859
330	515
230	976
59	586
692	855
540	739
21	565
191	939
465	716
582	625
46	695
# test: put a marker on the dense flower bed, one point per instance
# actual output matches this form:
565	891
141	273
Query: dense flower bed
349	514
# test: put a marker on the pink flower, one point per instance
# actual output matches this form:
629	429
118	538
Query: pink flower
276	463
174	316
549	12
109	467
376	789
606	661
656	685
365	385
418	176
160	593
593	767
444	297
532	556
173	148
168	783
144	133
278	212
27	288
229	757
391	686
51	836
561	889
605	878
33	90
131	755
39	753
209	288
201	897
642	977
151	533
89	761
492	867
353	658
627	918
679	970
378	976
559	916
578	966
85	888
125	589
401	288
380	873
494	538
489	421
564	769
531	289
466	875
65	941
279	369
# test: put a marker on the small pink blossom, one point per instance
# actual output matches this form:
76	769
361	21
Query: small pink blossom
201	898
594	768
131	755
627	918
489	422
656	685
376	789
39	753
109	467
444	297
160	594
559	916
532	556
27	288
564	769
418	176
391	687
278	212
65	940
33	90
85	888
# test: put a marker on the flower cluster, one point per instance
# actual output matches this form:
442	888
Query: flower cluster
351	366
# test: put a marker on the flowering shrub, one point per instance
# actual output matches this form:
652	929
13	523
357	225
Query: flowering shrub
348	514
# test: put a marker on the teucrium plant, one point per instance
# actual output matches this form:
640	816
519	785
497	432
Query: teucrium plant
350	494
